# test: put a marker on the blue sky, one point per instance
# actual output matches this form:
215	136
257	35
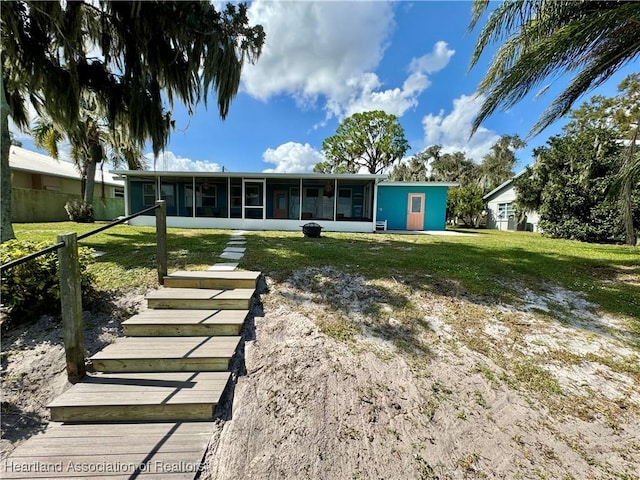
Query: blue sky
324	61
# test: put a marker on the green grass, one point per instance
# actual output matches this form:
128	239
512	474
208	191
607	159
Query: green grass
491	266
130	256
494	266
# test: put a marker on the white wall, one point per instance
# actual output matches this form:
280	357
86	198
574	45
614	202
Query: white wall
508	195
254	224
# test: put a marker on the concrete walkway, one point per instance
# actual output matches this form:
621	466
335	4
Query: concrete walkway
234	251
444	233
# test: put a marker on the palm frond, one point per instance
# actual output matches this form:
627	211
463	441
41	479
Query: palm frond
543	39
47	136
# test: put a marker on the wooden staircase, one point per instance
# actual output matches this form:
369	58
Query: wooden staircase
172	364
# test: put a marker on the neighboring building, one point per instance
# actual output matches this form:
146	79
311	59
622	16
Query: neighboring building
501	212
276	201
41	186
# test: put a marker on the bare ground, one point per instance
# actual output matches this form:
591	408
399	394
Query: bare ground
344	378
352	379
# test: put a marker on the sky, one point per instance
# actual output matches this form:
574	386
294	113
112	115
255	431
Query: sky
323	61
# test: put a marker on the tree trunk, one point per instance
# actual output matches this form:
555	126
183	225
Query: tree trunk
6	229
90	182
95	158
627	189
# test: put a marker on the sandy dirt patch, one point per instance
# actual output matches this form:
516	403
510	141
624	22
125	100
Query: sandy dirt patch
345	378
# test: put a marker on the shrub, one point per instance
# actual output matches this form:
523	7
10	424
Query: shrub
33	288
79	211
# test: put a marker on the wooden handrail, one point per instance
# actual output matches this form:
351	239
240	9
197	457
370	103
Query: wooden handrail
70	287
53	248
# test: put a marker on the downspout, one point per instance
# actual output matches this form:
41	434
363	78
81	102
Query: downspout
375	204
300	209
127	186
335	199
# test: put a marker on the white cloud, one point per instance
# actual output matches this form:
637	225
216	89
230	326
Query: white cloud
434	61
292	157
328	51
367	97
314	48
452	130
170	162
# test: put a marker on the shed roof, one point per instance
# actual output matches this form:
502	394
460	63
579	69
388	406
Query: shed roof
419	184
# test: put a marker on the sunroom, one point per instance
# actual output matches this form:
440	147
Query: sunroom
261	201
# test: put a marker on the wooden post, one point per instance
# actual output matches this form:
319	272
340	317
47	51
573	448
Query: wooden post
71	301
161	240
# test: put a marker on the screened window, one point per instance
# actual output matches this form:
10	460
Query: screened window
169	194
148	194
206	196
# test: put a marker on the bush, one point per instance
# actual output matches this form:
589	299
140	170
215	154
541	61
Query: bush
79	211
33	288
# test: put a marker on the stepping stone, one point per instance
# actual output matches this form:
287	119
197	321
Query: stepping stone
236	243
231	255
223	267
207	279
235	249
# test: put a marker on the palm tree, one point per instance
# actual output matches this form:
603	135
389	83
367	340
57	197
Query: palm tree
541	38
185	50
92	142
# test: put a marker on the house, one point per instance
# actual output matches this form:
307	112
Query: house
500	209
41	186
278	201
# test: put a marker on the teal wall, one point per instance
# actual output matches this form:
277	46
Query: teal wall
392	206
135	196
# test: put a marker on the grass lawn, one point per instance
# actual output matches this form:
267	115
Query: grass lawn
492	266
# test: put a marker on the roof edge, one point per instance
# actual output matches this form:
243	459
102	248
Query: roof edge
503	185
396	183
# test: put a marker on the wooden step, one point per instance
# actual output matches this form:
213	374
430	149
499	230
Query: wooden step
166	354
200	298
185	323
141	397
128	448
212	279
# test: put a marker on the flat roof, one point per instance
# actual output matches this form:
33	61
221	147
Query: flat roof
314	176
419	184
